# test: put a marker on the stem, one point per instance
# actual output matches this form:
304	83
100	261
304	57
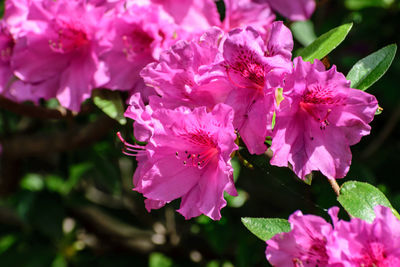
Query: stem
335	186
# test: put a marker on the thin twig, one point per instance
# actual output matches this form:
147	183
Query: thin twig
335	186
114	230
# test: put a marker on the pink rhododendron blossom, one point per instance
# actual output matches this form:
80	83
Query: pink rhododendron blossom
181	77
304	245
255	73
318	120
359	243
279	41
238	69
195	17
61	58
241	13
314	242
138	35
292	9
192	15
187	156
110	4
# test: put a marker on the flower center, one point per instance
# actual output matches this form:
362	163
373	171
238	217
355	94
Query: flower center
375	256
136	43
316	94
70	37
202	149
247	67
318	101
318	251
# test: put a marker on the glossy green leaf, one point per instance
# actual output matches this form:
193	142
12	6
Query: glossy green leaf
266	228
110	103
360	4
359	200
324	44
303	32
371	68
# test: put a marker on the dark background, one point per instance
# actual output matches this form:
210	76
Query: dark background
66	197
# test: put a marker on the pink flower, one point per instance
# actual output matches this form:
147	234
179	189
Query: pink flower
138	35
304	245
60	54
255	72
318	120
187	156
293	9
15	14
181	76
238	69
241	13
192	15
359	243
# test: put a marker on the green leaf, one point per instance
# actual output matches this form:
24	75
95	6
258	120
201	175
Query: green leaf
371	68
32	182
359	200
59	261
360	4
6	242
159	260
324	44
303	31
266	228
110	103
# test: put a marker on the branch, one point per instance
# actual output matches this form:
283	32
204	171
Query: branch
25	146
14	149
37	111
104	225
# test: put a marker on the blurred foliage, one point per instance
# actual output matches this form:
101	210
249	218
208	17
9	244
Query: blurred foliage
75	206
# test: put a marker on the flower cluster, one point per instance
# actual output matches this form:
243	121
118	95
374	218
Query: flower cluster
315	242
65	49
205	82
317	115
